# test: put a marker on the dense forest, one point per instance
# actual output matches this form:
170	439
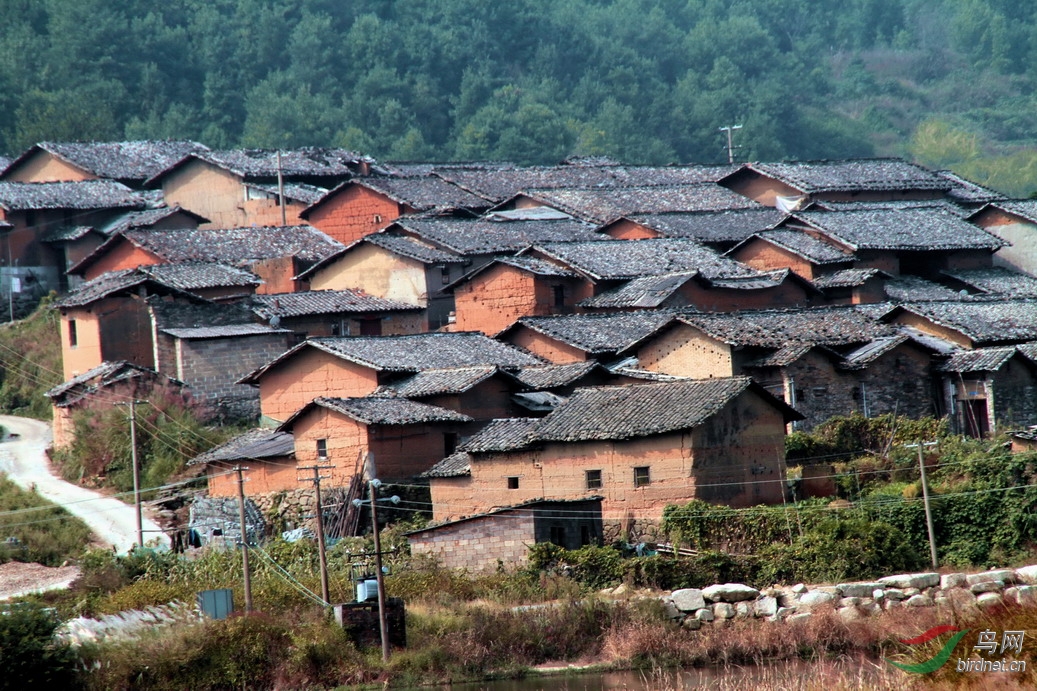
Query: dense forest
949	83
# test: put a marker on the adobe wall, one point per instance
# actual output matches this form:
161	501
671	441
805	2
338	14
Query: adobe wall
262	477
403	451
377	272
763	256
479	544
348	324
347	444
124	255
310	373
762	189
728	300
628	230
208	191
546	347
1022	254
211	366
878	259
87	352
926	326
267	212
44	167
495	299
685	351
969	259
353	213
277	275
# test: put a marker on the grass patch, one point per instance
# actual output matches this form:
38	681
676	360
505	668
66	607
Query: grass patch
46	533
30	362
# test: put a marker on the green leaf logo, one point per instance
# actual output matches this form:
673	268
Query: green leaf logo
940	659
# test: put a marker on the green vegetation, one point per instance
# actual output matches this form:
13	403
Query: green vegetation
535	82
30	362
45	533
29	657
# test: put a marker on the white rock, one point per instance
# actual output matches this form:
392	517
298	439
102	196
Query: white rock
671	610
691	624
952	580
919	601
766	607
892	604
848	613
849	602
1003	575
986	587
911	580
871	608
743	610
723	610
1024	595
730	592
911	592
878	594
705	614
815	598
688	599
798	616
989	599
1027	574
800	588
858	589
895	594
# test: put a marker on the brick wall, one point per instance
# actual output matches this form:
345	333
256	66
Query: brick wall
1015	395
545	347
123	255
354	212
211	366
208	191
494	299
277	275
685	351
310	373
764	256
480	543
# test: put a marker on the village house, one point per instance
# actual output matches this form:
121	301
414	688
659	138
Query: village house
720	230
582	337
640	447
357	366
357	208
987	390
969	324
268	456
108	384
316	313
790	185
853	286
503	536
967	194
242	187
482	393
1015	222
400	438
275	254
995	281
129	163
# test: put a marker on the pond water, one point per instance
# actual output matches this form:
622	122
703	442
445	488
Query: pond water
842	673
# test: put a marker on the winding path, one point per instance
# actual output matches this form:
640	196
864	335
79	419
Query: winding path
24	460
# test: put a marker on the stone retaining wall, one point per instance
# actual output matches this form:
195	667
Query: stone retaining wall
954	591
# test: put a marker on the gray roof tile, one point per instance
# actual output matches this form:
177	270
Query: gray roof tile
95	379
997	280
600	205
978	360
921	229
643	292
384	411
813	177
807	246
915	289
224	331
832	326
145	219
983	321
420	193
626	259
436	382
458	464
847	278
315	302
968	192
306	162
132	161
730	226
598	334
538	377
237	246
85	195
479	236
502	435
256	444
413	248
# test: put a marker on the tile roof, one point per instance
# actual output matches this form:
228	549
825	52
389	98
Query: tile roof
887	205
67	233
457	464
997	280
868	353
914	229
236	246
711	226
132	161
502	184
538	377
420	193
1024	208
502	435
146	219
436	382
597	334
915	289
804	245
643	292
784	356
626	259
1027	434
81	386
382	411
531	213
603	204
225	331
293	191
414	353
199	275
848	278
256	444
306	162
832	326
536	266
313	302
639	410
86	195
106	284
480	236
968	192
859	175
413	248
978	360
1029	350
198	313
982	321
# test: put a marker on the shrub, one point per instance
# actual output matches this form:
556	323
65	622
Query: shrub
29	657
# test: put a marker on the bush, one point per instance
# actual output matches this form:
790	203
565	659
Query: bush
29	657
46	533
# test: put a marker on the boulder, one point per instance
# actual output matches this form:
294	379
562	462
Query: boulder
798	616
919	601
911	580
892	604
743	610
730	592
671	610
1027	575
858	589
849	602
1003	575
688	599
1023	595
952	580
848	613
960	597
815	598
800	588
705	614
766	607
989	600
870	608
722	610
691	624
986	587
895	594
879	594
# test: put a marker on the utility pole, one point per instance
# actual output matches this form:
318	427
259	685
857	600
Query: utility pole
730	142
925	497
321	551
280	190
136	468
382	622
244	538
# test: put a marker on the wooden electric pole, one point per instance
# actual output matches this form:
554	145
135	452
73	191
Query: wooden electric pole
925	497
382	621
136	468
280	190
321	551
247	581
730	141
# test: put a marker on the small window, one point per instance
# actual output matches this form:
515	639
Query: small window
585	536
377	218
513	483
73	336
445	274
322	448
641	476
449	442
558	535
559	295
593	479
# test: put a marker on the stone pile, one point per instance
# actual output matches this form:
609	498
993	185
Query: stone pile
956	591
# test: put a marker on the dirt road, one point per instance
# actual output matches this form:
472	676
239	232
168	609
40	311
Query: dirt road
24	460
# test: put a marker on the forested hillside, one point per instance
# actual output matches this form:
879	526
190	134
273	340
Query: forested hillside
946	82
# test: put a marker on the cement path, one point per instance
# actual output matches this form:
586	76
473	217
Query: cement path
24	460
